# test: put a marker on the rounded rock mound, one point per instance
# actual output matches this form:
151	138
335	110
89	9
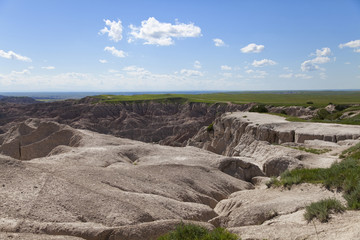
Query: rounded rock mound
35	139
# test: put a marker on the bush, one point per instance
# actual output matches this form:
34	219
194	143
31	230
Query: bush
341	107
309	102
210	127
194	232
259	108
322	114
322	209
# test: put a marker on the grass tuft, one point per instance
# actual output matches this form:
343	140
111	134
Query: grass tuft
194	232
322	209
210	128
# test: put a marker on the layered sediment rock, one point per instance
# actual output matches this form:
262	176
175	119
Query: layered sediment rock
263	138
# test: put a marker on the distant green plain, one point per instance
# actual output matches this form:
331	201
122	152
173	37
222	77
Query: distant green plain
276	98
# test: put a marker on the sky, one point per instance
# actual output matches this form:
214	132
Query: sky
139	45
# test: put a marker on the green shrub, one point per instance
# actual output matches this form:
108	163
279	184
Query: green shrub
310	102
260	108
341	107
343	176
321	114
322	209
194	232
210	127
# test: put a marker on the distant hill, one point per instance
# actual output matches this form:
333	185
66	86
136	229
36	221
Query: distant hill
21	100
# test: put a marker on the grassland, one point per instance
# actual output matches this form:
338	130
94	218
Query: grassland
316	99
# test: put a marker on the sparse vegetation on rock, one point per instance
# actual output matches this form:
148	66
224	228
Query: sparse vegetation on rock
343	176
260	108
194	232
322	209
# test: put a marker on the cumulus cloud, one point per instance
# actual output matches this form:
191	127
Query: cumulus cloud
256	73
321	58
352	44
113	71
15	56
308	66
303	76
291	75
103	61
262	63
191	73
115	52
227	75
197	64
23	72
252	48
114	31
323	52
48	67
288	75
154	32
225	68
218	42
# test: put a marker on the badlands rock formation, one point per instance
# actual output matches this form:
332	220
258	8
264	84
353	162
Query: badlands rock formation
270	141
170	123
165	123
57	182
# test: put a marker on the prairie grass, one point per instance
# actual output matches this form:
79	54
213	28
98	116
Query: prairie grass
342	176
194	232
322	209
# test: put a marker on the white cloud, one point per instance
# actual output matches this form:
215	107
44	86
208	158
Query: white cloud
352	44
12	55
227	75
115	30
103	61
48	67
323	75
303	76
115	52
256	73
191	73
252	48
113	71
225	68
323	52
289	75
162	34
25	71
197	65
308	66
218	42
262	63
321	58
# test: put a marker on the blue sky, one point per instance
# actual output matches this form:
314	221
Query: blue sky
179	45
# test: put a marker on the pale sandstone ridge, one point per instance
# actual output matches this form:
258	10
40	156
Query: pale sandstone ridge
267	139
106	187
34	139
78	184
